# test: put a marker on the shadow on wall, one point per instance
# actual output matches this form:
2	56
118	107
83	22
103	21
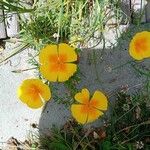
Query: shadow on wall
100	75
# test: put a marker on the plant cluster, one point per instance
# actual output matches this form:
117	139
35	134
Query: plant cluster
127	128
69	21
55	30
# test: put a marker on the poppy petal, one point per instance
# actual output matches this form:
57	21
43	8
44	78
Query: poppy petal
48	72
83	96
78	114
68	51
48	54
35	103
139	47
23	97
65	73
93	115
133	52
46	94
23	90
33	92
99	101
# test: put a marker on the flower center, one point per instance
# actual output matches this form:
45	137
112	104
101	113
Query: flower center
34	91
141	45
86	108
58	63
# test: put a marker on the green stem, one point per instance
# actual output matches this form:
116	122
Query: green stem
10	7
125	114
22	70
19	49
143	123
141	71
129	62
60	20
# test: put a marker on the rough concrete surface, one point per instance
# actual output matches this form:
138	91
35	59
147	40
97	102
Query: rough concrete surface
15	118
102	75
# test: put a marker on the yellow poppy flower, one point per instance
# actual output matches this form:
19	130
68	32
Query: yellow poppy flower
139	47
34	93
56	62
88	110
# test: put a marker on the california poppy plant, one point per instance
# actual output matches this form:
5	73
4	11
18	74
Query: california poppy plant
34	93
88	110
56	62
139	47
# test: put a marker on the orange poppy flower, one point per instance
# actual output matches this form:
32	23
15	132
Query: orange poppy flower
88	110
139	47
34	93
56	62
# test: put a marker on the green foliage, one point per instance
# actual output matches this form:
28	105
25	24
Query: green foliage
74	22
57	141
129	120
14	6
106	145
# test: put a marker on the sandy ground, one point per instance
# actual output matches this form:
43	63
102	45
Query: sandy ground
16	118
